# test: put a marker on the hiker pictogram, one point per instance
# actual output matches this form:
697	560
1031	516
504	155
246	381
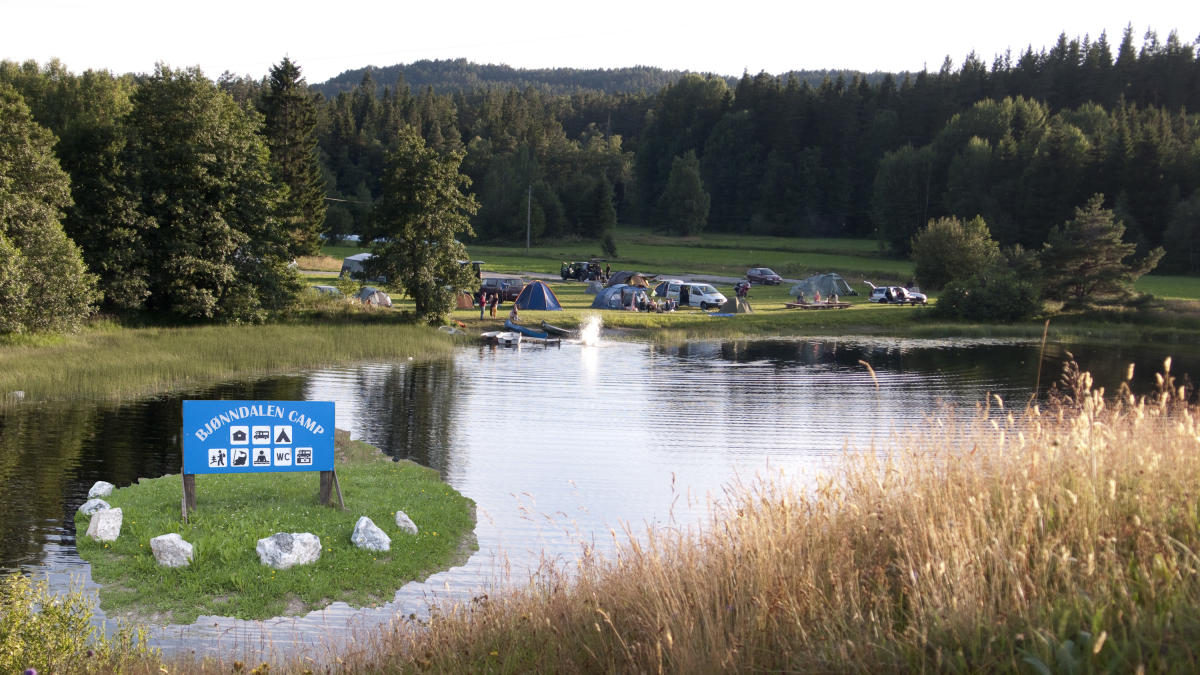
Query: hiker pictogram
217	458
238	456
283	434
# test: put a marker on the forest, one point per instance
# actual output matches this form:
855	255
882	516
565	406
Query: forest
169	182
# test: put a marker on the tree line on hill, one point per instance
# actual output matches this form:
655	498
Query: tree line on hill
190	197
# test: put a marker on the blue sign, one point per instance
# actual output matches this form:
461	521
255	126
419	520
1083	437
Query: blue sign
257	436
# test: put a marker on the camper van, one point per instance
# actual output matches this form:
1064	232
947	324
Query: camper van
699	295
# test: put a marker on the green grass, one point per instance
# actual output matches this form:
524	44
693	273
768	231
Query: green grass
234	511
106	361
1170	287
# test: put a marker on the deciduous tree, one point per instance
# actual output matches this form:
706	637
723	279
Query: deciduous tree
425	207
44	285
949	249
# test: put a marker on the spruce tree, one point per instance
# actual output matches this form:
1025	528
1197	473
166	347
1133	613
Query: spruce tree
291	123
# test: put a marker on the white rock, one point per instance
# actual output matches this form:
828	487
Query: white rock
170	550
368	536
405	523
92	506
100	489
105	525
283	550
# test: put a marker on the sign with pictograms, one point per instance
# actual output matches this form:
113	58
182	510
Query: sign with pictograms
257	436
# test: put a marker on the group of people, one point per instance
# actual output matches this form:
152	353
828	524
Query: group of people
488	301
816	298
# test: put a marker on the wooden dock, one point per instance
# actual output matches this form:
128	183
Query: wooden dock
817	305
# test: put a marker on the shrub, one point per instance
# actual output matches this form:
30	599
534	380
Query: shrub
949	249
46	632
996	296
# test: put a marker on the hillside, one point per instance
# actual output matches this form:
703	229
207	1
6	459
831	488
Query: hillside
451	76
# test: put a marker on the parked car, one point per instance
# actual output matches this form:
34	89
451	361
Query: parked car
508	289
896	294
763	275
699	295
588	270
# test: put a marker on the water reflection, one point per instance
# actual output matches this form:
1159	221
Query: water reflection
556	446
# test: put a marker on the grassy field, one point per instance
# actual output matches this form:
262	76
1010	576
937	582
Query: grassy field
226	577
106	361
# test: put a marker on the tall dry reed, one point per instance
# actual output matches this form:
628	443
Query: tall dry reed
1056	540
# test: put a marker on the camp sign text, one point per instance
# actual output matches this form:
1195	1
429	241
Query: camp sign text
257	436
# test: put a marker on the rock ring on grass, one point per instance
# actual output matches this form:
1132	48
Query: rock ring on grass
100	489
367	535
105	525
283	550
91	506
170	550
405	523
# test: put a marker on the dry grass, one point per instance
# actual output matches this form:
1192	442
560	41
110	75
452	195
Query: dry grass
1057	540
1049	541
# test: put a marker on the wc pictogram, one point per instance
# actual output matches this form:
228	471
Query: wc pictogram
283	456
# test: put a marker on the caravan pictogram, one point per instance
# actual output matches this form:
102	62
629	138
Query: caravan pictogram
262	435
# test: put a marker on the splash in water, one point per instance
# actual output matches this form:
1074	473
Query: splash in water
589	332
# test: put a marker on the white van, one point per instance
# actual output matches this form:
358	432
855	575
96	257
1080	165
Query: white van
698	294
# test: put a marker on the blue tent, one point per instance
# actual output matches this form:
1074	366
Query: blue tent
537	295
620	296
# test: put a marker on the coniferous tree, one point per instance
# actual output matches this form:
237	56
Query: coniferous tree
1084	258
291	123
683	206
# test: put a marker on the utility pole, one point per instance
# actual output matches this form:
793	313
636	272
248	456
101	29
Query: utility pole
528	216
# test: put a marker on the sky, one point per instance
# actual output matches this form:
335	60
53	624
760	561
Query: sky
727	38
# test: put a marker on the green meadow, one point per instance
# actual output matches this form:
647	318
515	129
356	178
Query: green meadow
226	578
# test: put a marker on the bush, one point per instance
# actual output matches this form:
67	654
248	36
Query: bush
46	632
949	249
997	296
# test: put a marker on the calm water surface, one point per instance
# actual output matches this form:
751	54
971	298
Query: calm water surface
557	446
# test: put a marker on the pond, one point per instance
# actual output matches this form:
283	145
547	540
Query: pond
557	446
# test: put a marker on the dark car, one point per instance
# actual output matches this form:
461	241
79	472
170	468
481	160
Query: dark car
763	275
507	288
588	270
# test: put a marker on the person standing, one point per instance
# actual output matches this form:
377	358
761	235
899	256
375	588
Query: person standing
493	302
483	300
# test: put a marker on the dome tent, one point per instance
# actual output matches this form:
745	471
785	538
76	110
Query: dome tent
537	295
826	284
620	297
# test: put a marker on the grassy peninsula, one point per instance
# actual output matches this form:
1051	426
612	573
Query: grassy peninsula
234	511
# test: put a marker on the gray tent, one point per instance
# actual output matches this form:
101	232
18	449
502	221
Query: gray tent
736	305
373	296
620	297
630	278
352	267
826	284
